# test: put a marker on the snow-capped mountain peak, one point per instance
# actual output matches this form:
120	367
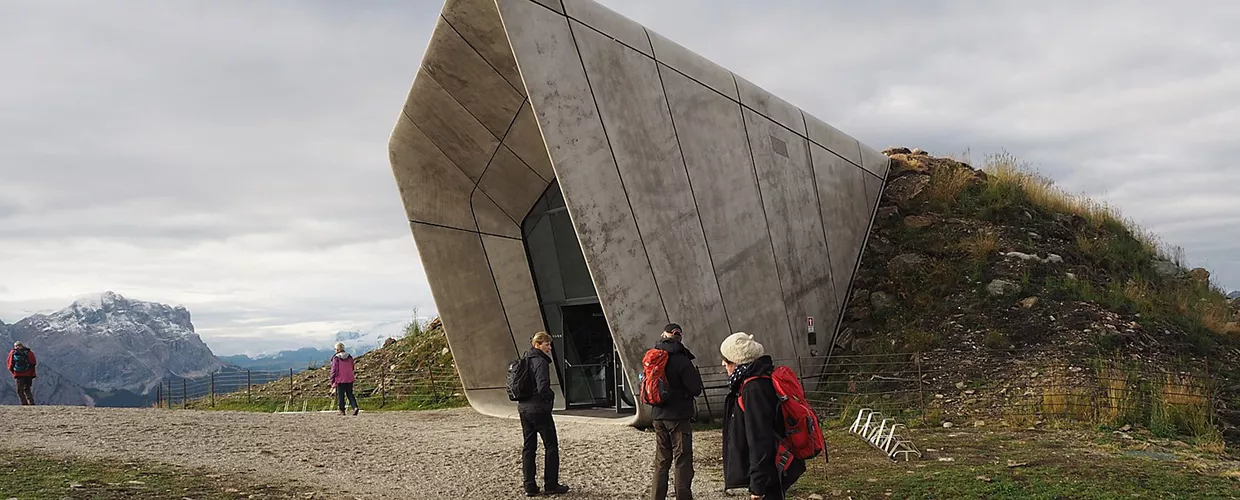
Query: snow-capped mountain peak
110	312
108	342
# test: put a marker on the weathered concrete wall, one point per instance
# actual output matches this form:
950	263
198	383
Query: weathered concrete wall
697	196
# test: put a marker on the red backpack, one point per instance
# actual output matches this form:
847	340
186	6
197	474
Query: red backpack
802	437
654	386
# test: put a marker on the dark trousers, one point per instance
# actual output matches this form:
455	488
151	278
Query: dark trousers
673	445
787	479
343	390
24	390
533	425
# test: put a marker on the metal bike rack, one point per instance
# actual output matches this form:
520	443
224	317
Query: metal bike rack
883	437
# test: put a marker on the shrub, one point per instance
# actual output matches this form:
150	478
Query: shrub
981	245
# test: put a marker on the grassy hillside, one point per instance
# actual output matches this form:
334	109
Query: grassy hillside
414	372
1024	301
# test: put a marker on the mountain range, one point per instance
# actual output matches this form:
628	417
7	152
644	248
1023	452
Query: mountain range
108	350
357	342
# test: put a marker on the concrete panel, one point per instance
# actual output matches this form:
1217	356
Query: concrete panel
527	142
789	197
516	286
846	214
635	115
697	67
478	22
450	126
470	80
587	175
555	5
609	22
874	161
832	139
716	152
513	186
873	193
491	219
432	188
469	305
766	104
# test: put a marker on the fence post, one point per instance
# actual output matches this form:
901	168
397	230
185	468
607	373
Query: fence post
159	393
213	390
383	386
248	385
184	395
921	394
430	373
705	395
291	389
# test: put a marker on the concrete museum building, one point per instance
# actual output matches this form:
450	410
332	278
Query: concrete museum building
565	169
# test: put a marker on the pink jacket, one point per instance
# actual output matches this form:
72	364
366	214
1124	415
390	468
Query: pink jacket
342	369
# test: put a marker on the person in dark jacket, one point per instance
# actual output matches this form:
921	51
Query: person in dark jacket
21	364
751	436
673	420
536	421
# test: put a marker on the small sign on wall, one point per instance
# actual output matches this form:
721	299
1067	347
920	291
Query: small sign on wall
813	336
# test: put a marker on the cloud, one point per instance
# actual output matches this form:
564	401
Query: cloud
231	156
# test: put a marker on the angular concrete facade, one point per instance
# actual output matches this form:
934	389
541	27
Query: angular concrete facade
694	195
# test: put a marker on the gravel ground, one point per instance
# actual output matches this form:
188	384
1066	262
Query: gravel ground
378	455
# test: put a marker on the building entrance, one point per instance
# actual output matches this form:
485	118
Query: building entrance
591	375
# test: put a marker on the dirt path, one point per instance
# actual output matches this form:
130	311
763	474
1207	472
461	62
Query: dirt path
379	455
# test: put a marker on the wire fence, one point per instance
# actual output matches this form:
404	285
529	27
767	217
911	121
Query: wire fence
928	388
1026	390
387	387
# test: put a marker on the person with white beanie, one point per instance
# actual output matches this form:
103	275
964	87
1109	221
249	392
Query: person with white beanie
751	429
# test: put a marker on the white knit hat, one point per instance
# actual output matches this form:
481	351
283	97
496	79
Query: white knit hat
740	348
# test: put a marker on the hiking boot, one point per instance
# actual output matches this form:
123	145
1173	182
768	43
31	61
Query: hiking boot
558	489
355	410
531	492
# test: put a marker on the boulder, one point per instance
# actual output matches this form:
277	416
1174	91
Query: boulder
1199	274
1167	269
896	151
882	301
1001	287
918	221
904	189
906	262
885	213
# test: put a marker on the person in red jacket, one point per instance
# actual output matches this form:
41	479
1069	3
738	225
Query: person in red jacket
21	365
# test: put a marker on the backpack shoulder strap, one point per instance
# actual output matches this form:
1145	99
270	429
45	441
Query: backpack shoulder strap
739	392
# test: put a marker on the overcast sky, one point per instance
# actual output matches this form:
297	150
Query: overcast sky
231	156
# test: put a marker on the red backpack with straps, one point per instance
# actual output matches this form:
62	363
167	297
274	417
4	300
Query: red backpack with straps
654	385
802	437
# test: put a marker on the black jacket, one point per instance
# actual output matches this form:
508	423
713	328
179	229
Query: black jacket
685	382
751	437
543	399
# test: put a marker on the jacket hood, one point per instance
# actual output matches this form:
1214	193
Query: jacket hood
343	355
674	346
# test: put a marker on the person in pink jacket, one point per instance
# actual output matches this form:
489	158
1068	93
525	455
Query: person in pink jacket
342	378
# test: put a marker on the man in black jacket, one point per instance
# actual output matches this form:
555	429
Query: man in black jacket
751	435
535	412
673	420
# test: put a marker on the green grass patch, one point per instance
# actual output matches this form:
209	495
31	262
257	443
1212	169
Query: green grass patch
31	475
1045	465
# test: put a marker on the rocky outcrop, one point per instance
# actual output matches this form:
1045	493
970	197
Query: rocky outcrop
108	342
